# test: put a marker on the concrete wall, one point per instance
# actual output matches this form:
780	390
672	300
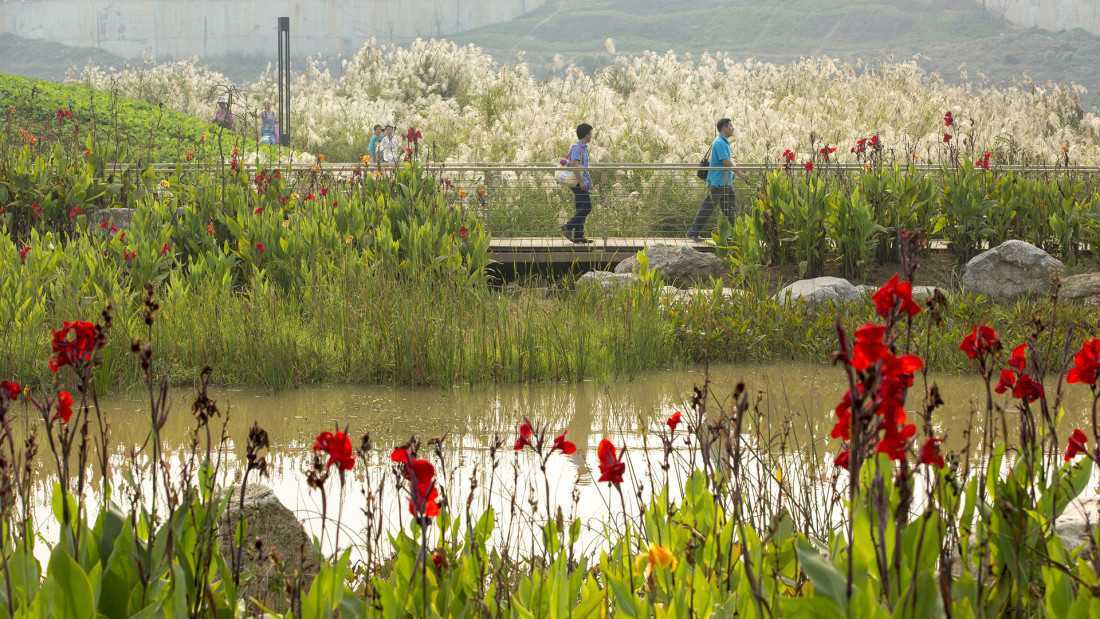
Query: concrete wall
182	28
1054	15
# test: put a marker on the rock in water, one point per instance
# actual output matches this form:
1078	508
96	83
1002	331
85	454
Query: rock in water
276	546
820	290
678	265
1011	270
606	279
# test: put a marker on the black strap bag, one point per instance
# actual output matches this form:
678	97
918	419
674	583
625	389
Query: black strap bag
704	166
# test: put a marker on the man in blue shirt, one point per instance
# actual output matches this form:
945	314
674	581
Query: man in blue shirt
372	145
582	199
719	182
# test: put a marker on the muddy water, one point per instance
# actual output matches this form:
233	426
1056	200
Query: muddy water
793	413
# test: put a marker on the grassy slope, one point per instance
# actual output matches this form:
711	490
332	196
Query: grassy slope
946	33
143	130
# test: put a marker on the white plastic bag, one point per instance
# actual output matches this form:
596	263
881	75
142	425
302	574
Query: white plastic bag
567	178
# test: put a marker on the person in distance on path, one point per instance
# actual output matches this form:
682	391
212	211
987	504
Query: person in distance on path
582	197
719	182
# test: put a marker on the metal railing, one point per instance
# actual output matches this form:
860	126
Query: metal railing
525	202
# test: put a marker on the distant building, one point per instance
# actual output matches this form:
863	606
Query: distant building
183	28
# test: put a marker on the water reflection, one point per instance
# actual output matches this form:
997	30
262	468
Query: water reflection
793	401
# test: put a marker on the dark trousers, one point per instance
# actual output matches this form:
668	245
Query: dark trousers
724	198
583	200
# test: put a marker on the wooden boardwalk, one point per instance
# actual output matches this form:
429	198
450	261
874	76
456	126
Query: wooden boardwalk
549	250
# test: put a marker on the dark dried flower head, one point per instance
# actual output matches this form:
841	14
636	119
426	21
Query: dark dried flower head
258	447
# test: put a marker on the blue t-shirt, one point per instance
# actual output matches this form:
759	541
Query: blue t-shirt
719	152
579	152
372	147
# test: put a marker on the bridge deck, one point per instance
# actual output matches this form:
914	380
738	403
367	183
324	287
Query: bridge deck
557	250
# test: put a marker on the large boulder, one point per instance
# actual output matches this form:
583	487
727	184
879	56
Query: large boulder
1012	269
671	295
1084	288
678	265
276	545
606	280
820	290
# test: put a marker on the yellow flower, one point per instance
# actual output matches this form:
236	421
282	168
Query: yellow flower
365	159
321	158
164	184
349	239
658	557
461	194
286	223
294	197
1065	147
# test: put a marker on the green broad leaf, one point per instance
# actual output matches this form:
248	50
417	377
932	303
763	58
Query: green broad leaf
823	574
69	590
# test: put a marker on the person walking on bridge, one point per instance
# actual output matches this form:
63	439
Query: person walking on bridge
719	182
573	229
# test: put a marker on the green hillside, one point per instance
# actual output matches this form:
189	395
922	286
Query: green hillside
124	129
947	35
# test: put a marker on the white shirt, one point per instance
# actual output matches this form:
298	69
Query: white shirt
390	149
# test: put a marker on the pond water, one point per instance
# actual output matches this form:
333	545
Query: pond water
794	414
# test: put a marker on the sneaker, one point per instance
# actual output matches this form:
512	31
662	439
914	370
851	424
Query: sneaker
568	235
582	241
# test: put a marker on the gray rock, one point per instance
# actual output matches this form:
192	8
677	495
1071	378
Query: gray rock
866	290
670	294
819	290
1084	287
1078	521
276	545
117	217
606	279
1011	270
678	265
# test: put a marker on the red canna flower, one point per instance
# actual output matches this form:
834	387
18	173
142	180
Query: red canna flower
128	255
948	119
1076	445
808	166
947	138
674	421
324	192
338	447
189	155
895	293
826	150
425	496
64	406
310	197
23	251
896	439
1027	389
842	459
860	147
10	389
611	465
869	347
789	156
75	212
1086	363
258	210
562	445
104	224
526	432
1006	382
85	339
983	163
930	453
36	210
463	233
260	247
400	455
439	560
1018	359
164	249
874	141
980	342
843	412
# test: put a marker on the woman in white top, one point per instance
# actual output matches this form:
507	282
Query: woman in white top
390	147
